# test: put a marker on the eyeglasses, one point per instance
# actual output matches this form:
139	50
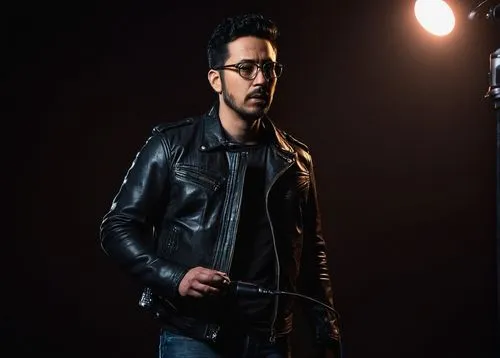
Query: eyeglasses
248	70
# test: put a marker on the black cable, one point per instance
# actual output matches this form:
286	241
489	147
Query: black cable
248	289
307	298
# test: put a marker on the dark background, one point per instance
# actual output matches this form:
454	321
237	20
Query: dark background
403	141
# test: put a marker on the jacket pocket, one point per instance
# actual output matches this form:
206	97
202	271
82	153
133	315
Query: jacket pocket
198	176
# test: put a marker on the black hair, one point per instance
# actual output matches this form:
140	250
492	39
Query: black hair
231	28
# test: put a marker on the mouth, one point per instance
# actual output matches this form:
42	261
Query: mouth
258	97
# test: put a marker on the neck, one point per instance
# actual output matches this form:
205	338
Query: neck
241	130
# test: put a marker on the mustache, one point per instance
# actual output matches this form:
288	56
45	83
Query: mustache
259	94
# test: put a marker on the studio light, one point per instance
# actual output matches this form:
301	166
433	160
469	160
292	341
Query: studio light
435	16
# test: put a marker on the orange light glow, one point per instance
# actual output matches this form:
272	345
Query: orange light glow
435	16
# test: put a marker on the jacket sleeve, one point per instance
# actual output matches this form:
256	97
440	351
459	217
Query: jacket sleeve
126	231
314	279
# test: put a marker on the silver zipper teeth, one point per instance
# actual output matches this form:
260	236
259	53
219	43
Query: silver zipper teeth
198	178
217	264
231	255
171	238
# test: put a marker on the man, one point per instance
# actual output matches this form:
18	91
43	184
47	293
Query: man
221	199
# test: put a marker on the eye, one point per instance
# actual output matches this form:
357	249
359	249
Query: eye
268	68
246	68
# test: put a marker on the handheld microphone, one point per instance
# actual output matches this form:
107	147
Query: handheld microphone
247	289
238	289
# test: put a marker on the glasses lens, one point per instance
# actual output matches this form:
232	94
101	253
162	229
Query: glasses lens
272	69
278	70
248	70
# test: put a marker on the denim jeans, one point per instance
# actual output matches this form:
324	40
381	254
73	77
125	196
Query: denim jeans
174	345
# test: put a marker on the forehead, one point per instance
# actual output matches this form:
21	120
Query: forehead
250	48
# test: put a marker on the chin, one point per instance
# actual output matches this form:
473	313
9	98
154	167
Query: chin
255	114
259	110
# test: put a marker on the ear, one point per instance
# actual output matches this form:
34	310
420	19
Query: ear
215	80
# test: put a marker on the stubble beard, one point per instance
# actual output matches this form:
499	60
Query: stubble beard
245	114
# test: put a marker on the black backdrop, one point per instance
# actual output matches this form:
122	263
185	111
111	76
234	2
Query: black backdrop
403	140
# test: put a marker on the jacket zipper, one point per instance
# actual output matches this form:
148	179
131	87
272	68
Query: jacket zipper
272	337
234	161
198	178
218	263
240	191
171	240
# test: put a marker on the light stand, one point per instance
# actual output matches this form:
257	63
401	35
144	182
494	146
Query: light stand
494	95
493	14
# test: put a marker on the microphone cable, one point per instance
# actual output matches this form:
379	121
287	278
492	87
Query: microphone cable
248	289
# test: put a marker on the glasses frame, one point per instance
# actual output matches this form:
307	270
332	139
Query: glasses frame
237	67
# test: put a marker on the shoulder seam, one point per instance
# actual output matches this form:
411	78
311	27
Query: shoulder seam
163	127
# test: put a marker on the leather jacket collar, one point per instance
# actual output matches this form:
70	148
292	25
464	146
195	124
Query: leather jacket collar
214	138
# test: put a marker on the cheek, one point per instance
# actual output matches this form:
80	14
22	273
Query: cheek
238	91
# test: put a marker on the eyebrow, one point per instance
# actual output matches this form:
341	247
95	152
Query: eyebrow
254	61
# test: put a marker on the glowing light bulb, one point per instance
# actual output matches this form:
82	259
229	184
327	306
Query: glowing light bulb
435	16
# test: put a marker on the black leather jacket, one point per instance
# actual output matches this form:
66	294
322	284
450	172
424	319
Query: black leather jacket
178	208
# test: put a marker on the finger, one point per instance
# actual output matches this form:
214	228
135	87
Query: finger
194	293
223	275
205	276
204	289
211	276
206	270
220	282
217	278
219	275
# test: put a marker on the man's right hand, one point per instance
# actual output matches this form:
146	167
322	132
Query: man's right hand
200	282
